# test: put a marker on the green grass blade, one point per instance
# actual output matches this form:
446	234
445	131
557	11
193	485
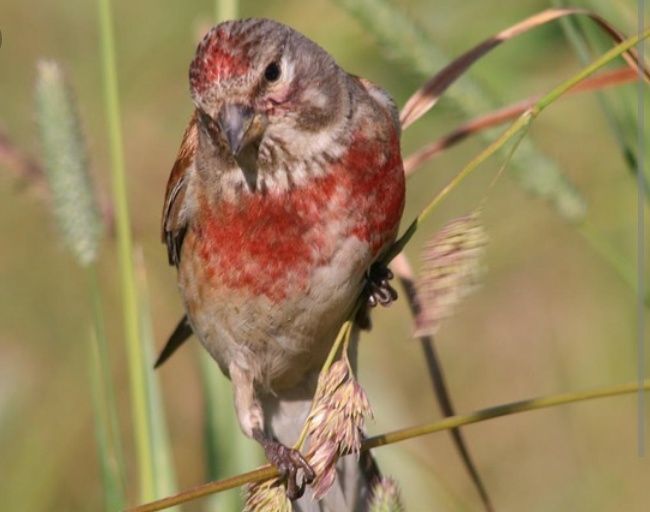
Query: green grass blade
163	469
112	469
406	40
228	451
129	296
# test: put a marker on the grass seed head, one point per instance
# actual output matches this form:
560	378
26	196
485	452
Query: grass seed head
267	496
335	427
386	497
451	270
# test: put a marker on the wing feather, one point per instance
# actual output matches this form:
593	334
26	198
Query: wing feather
174	217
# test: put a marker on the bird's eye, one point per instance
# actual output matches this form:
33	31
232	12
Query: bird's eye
272	72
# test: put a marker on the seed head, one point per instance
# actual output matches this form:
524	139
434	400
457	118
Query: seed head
335	426
386	497
451	270
267	496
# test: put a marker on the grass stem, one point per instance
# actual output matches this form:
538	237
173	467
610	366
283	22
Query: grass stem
125	255
267	471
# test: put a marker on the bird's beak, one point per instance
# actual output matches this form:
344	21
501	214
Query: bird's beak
241	127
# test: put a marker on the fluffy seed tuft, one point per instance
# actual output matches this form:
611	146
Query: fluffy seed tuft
267	496
66	163
451	270
335	426
386	497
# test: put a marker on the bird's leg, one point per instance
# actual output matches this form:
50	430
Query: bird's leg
377	287
287	460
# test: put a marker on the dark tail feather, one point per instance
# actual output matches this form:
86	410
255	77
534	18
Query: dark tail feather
181	333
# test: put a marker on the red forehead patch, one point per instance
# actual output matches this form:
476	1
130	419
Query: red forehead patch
220	55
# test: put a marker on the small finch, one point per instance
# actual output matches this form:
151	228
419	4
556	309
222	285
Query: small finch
287	189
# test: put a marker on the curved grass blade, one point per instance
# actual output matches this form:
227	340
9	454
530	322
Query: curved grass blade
497	117
429	94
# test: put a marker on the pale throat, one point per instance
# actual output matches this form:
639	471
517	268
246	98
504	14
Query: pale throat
275	171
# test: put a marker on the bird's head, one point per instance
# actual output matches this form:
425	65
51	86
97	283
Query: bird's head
262	89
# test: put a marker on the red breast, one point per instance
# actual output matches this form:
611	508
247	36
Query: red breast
268	244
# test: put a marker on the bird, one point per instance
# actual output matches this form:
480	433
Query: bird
287	191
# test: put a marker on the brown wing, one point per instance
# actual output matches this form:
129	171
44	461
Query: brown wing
174	222
174	225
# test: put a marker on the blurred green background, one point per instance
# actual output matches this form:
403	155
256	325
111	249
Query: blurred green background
552	314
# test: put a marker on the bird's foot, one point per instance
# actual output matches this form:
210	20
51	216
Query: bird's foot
378	288
288	462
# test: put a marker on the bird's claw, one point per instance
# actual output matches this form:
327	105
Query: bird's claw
289	462
378	288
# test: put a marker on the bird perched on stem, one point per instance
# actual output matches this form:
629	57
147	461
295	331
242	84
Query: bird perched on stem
287	189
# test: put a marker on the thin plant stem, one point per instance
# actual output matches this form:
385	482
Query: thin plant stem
342	339
129	294
531	404
518	125
502	115
107	425
267	471
404	272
